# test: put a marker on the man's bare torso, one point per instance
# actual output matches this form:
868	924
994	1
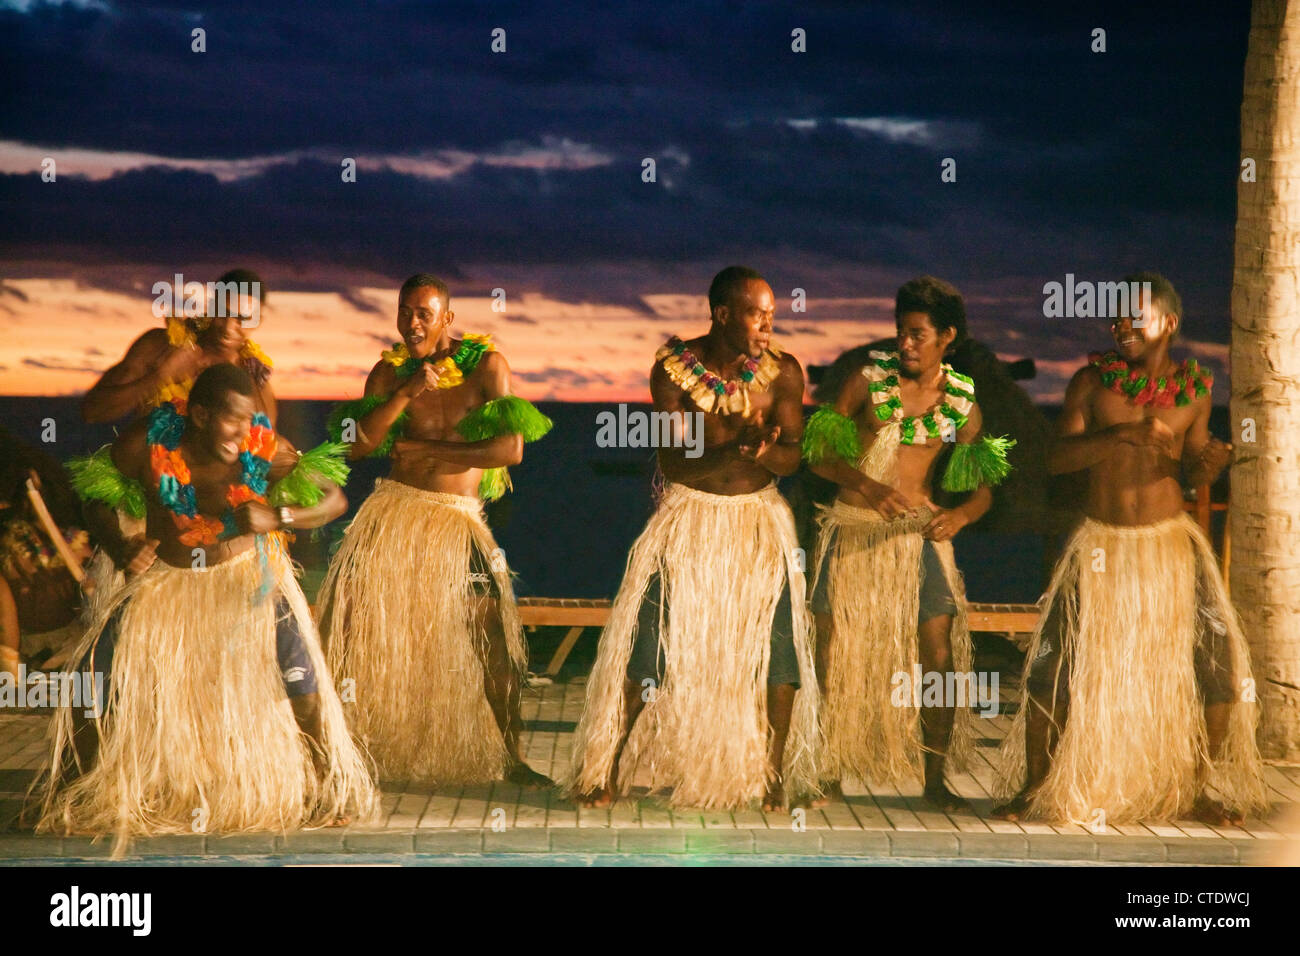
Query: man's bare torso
738	475
1135	484
915	462
434	415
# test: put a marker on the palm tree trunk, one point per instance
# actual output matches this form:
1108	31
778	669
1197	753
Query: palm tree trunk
1265	511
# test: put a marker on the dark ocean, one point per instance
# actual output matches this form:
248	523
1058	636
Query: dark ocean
575	510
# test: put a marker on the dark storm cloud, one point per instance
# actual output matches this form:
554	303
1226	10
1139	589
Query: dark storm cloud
1067	161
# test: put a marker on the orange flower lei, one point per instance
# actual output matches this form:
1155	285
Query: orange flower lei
172	475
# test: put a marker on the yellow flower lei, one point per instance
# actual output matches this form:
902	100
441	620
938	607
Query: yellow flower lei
449	373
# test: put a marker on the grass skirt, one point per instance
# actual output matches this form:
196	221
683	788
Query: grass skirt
874	589
1134	744
198	734
103	579
724	562
398	616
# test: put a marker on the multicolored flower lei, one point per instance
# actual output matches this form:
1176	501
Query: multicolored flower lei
709	391
950	413
172	474
453	367
1188	381
183	333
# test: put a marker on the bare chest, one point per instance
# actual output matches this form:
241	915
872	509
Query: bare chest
1109	409
436	412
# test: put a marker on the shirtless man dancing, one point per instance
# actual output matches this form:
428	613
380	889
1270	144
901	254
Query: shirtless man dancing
1136	699
219	710
161	366
417	607
887	596
708	649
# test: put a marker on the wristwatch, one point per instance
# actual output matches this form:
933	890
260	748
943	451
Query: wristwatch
286	516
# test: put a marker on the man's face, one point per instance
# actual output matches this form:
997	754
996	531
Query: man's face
225	333
746	319
222	431
421	317
1156	326
920	345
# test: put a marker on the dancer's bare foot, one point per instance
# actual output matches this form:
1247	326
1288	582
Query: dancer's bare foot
340	821
939	796
831	790
597	799
1015	809
1212	813
774	799
522	775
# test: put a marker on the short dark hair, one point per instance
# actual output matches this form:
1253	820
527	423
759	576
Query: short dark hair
217	381
1162	291
422	280
938	299
248	276
724	284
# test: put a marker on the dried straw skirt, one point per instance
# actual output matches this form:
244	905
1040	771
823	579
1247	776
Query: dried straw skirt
1134	744
398	615
724	561
197	734
874	588
103	579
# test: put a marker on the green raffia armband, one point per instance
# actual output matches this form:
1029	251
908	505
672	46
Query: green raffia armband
830	433
508	415
327	461
356	410
96	478
982	463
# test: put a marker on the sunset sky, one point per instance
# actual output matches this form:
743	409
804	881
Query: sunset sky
522	171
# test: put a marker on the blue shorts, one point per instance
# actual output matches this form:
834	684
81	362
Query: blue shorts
291	653
936	597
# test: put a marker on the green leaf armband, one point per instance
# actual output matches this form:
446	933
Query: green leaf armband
981	463
508	415
96	478
830	433
327	462
358	409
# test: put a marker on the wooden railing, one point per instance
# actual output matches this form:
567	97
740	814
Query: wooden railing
1015	621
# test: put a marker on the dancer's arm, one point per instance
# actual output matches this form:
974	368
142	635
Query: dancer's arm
496	451
1204	456
299	483
130	453
148	364
1077	448
948	521
673	461
854	397
381	386
776	447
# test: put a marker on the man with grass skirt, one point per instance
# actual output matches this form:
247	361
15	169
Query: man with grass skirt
703	679
218	714
893	645
1138	701
417	608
